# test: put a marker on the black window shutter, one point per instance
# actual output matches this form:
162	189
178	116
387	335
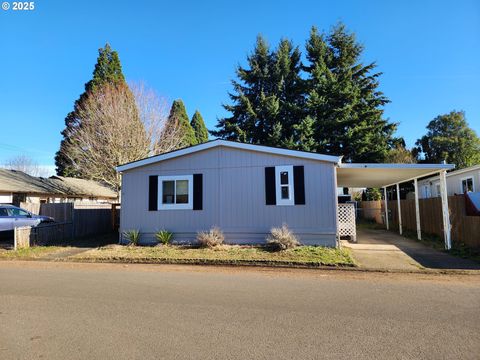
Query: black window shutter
153	193
197	191
270	191
299	185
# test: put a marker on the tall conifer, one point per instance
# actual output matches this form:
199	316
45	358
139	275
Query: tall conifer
198	125
107	70
179	119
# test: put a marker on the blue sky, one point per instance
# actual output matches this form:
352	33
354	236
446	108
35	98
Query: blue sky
429	52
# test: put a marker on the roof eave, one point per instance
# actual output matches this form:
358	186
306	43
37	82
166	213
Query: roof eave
229	144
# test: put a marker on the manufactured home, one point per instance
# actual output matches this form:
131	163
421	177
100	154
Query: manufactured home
247	189
458	182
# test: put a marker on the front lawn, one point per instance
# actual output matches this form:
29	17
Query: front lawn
223	254
34	252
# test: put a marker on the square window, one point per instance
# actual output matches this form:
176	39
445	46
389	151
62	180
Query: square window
175	192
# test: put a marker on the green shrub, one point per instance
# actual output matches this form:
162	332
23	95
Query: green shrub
281	239
133	236
211	238
164	236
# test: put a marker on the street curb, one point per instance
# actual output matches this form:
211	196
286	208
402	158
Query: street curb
267	264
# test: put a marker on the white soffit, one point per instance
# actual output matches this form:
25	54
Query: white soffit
379	175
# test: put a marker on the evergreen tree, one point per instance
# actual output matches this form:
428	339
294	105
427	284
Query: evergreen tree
198	125
108	70
450	138
337	109
343	99
179	119
267	98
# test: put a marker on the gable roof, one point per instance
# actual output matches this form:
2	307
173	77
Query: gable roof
18	181
229	144
13	181
83	187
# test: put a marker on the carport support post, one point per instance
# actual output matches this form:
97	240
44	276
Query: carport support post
417	210
399	210
386	207
445	213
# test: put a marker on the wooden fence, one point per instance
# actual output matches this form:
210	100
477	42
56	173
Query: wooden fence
27	236
465	229
371	210
71	221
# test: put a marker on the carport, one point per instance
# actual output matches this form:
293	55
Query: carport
387	175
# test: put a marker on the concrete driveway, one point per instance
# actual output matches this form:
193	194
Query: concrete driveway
385	250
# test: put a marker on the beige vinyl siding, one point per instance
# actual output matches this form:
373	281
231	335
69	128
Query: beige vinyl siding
454	183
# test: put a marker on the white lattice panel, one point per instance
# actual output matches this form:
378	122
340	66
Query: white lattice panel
346	220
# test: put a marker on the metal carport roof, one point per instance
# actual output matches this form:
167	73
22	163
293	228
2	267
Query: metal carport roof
381	175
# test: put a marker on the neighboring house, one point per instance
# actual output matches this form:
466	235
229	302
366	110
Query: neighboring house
247	189
458	182
17	187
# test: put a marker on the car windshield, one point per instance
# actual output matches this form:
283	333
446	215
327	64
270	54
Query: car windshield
18	212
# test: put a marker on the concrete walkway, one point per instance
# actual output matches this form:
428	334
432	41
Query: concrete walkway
385	250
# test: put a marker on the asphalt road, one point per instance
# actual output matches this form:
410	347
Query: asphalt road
94	311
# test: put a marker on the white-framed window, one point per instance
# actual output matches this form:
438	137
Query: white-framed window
426	191
437	188
467	185
284	185
175	192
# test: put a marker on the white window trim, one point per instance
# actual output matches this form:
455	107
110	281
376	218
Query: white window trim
426	191
187	206
278	187
467	178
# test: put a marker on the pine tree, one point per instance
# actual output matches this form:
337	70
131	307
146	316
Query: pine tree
198	125
178	118
267	98
337	109
344	100
108	70
450	139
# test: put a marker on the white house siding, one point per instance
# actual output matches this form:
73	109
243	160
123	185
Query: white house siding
233	198
6	198
454	183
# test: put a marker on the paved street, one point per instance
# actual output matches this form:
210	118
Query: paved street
94	311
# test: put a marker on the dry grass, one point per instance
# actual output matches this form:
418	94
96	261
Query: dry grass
221	254
282	239
214	237
29	253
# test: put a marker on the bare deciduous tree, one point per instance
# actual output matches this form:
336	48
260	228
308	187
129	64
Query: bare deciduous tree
153	111
117	126
25	164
